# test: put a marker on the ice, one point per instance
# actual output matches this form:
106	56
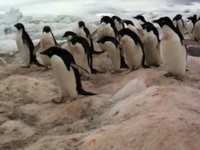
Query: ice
62	23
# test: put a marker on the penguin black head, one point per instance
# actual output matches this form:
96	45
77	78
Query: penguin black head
148	26
116	18
109	20
164	21
19	26
81	24
46	29
54	51
167	21
69	34
193	19
128	22
106	19
177	17
140	17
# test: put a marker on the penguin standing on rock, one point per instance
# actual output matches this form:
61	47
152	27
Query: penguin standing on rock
84	32
112	47
118	23
106	28
132	48
66	73
173	51
25	45
47	40
179	23
196	30
190	26
151	45
81	53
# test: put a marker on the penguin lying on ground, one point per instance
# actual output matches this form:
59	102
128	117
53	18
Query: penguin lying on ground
111	46
173	51
25	46
66	73
151	45
132	48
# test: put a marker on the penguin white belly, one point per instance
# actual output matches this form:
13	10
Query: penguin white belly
189	28
23	49
114	54
173	56
181	27
81	59
105	30
65	78
151	50
196	31
46	42
132	53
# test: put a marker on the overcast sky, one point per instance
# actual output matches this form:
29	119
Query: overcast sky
81	7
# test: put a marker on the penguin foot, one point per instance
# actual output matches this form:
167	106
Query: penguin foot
177	77
95	71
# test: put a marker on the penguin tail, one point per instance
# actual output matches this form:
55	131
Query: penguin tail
83	92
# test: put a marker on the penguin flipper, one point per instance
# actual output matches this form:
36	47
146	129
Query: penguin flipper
79	67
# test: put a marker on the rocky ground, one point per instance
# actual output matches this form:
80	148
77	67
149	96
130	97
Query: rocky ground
137	110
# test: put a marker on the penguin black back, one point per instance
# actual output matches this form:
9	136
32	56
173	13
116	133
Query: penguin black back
128	22
137	41
109	38
107	20
150	27
140	17
69	62
193	19
69	34
82	24
27	41
131	34
82	41
167	21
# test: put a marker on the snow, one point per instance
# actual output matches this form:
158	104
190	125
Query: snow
62	23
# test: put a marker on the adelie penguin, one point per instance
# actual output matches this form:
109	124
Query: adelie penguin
151	45
173	51
77	43
47	40
190	26
66	73
25	45
112	47
118	23
132	48
196	30
106	28
84	32
179	23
